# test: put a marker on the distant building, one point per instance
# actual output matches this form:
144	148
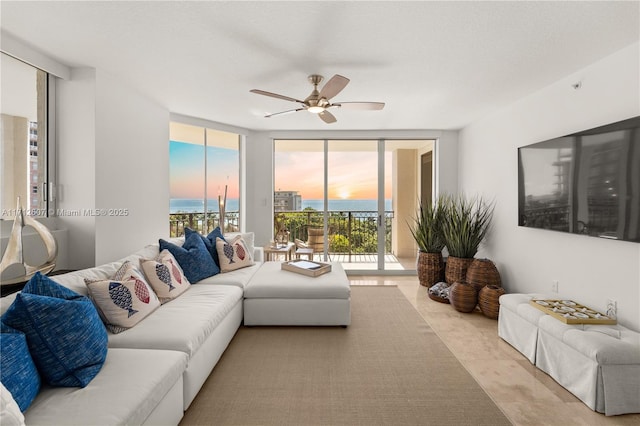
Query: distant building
287	201
33	166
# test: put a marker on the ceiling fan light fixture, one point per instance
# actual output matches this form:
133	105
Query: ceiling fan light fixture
318	102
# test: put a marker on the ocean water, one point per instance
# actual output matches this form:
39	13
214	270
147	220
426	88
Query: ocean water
184	205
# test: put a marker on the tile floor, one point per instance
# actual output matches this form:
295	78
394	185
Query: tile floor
525	394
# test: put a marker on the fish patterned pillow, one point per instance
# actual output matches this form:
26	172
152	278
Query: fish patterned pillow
124	300
165	276
233	254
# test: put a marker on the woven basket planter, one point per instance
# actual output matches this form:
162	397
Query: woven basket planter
463	297
430	268
483	272
456	269
488	300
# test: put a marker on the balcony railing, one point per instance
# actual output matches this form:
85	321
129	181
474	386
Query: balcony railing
197	222
350	232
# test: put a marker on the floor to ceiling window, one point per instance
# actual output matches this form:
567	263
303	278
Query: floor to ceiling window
360	193
24	144
204	172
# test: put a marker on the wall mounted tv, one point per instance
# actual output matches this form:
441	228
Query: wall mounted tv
585	183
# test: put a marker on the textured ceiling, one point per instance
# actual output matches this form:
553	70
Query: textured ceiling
437	65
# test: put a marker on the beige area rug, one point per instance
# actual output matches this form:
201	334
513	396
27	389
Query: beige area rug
387	368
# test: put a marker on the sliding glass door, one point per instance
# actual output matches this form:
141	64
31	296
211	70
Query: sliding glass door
357	203
359	195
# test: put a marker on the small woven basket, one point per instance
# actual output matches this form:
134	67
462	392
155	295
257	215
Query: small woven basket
463	297
456	269
439	292
483	272
488	300
430	268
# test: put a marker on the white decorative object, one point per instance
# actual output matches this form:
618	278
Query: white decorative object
13	258
221	209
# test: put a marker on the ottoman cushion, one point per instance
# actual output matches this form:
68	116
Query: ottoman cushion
519	304
278	297
274	283
600	346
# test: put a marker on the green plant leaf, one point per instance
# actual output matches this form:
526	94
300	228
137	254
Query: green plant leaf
426	227
465	224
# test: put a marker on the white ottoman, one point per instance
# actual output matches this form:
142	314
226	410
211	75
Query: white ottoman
518	323
600	364
277	297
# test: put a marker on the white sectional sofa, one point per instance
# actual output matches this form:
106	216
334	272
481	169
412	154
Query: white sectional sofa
154	370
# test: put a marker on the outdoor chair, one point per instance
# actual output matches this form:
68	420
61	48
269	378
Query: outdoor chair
315	241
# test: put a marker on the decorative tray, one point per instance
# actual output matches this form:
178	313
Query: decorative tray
571	312
307	267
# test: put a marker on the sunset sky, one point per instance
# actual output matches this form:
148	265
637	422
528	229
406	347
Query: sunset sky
352	175
186	171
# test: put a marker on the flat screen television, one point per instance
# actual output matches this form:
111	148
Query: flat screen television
585	183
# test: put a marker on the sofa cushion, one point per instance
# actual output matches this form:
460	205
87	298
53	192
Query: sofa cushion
129	387
66	337
124	300
233	254
10	414
17	370
165	276
185	323
239	278
193	257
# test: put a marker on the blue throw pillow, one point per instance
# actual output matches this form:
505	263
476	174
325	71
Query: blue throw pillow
193	257
66	338
216	233
211	248
18	373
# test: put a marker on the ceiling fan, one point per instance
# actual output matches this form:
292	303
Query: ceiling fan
318	101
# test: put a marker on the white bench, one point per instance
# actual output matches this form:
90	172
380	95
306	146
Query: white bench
599	364
277	297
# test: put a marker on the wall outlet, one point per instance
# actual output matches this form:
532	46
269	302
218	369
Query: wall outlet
612	308
554	286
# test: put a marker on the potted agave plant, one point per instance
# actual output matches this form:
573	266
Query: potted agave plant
465	224
427	232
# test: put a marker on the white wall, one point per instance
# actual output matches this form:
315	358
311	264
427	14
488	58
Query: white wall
113	154
589	270
131	170
259	186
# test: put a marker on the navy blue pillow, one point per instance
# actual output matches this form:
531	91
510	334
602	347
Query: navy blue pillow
18	373
193	257
211	248
66	338
216	233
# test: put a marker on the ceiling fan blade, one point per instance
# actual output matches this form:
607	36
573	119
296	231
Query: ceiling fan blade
334	86
327	117
275	95
370	106
284	112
